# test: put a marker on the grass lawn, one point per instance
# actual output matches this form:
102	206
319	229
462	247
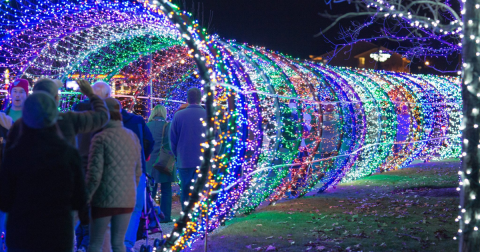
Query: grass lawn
411	209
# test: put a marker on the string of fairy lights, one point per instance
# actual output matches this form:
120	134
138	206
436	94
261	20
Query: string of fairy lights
276	127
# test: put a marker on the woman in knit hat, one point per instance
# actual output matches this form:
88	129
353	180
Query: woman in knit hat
114	169
41	182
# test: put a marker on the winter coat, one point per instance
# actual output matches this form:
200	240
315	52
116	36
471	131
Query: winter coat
72	123
136	124
114	167
186	136
160	137
41	183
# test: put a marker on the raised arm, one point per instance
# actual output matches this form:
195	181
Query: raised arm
93	120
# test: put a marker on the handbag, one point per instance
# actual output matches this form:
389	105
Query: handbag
165	160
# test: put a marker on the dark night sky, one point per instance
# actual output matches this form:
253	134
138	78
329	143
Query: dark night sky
286	26
281	25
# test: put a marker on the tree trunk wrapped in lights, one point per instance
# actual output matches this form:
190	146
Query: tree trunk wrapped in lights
469	184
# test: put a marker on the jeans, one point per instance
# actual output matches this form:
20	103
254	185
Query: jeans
82	235
186	176
131	236
166	199
98	227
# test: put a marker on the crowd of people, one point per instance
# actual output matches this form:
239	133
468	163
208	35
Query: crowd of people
87	167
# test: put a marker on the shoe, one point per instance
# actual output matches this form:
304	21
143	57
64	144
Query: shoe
82	249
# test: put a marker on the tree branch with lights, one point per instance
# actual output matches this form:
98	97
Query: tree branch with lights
417	29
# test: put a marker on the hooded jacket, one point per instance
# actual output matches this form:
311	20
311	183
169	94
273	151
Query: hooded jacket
41	183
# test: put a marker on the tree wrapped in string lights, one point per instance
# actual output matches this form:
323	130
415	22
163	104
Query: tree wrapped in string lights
285	126
415	29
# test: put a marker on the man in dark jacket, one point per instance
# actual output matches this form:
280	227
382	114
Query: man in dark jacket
102	90
40	214
137	124
186	135
70	123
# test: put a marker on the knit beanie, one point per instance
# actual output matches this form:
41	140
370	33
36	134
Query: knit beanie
40	110
46	85
19	83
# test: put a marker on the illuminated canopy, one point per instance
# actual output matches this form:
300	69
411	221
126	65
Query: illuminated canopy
285	126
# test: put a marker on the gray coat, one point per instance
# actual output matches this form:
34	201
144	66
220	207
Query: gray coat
156	127
114	167
186	136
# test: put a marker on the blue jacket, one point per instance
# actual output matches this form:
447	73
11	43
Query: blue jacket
136	124
186	136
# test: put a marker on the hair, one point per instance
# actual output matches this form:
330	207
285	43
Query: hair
159	110
115	116
114	108
194	96
101	89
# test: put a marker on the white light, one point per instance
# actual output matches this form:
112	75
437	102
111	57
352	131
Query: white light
380	56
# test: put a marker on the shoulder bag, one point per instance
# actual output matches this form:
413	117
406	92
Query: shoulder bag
165	160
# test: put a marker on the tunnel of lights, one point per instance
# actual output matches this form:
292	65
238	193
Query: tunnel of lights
277	127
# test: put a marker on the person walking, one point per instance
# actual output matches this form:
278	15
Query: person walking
137	124
113	172
102	90
160	128
186	135
40	215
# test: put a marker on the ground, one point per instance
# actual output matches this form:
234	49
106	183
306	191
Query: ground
411	209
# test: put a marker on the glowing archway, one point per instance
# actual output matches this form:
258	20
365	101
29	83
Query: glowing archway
285	126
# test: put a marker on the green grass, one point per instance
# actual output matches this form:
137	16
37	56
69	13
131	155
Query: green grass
412	209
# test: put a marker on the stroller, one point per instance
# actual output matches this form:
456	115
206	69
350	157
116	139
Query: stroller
149	222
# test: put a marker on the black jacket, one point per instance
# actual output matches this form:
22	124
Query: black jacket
41	183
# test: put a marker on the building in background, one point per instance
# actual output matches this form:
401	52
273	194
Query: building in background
365	55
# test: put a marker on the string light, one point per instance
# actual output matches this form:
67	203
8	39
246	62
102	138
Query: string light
276	127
